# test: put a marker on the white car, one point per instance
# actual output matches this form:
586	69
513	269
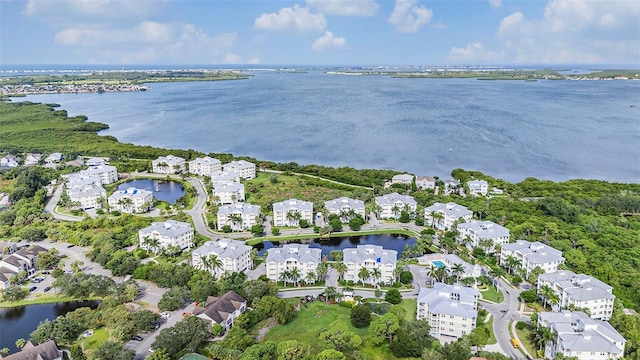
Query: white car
165	315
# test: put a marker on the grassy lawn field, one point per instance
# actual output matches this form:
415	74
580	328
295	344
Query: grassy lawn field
492	294
262	191
317	317
489	325
41	299
525	340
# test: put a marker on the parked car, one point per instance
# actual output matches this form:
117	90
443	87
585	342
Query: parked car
70	246
137	338
33	289
184	314
156	326
165	314
47	288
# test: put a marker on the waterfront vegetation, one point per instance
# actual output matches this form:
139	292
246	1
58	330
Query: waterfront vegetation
594	223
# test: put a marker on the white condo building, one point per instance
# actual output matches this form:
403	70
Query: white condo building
483	230
580	290
291	256
473	271
478	187
233	256
131	200
370	257
532	255
425	182
404	179
246	170
204	166
88	197
240	216
577	335
78	181
168	233
168	165
449	212
224	177
96	161
290	212
228	193
108	173
450	310
344	207
391	205
9	161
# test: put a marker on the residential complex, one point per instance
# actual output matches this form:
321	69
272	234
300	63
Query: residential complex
473	271
391	205
161	235
450	310
577	335
404	179
53	158
32	159
96	161
223	177
78	181
483	234
532	255
168	165
478	187
239	216
131	200
204	166
107	173
290	212
245	169
425	182
88	197
442	216
222	310
228	193
289	257
232	254
48	350
346	208
379	262
9	161
21	260
580	290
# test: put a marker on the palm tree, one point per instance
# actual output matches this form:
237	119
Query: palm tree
511	262
545	292
398	270
468	281
395	209
151	243
214	263
233	220
466	241
329	292
553	299
341	268
311	277
363	274
457	270
284	276
126	204
437	218
376	274
253	254
163	167
542	336
432	272
496	273
322	269
295	275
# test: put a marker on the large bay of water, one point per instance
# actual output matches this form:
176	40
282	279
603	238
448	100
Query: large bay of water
554	130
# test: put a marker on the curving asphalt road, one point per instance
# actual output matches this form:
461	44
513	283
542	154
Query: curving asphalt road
503	314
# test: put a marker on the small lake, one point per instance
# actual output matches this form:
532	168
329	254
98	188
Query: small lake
163	190
19	322
387	241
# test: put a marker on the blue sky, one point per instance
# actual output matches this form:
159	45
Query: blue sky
323	32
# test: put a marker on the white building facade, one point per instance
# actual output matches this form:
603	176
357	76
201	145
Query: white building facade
392	205
478	187
228	193
291	256
204	166
108	173
449	213
290	212
88	197
345	208
476	231
168	165
246	170
168	233
131	200
425	182
239	216
532	255
580	290
234	256
450	310
370	257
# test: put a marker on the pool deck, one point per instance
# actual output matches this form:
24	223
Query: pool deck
428	259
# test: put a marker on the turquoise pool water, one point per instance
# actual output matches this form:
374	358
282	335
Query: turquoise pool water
438	263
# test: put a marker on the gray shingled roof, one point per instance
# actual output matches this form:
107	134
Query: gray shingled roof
45	351
130	192
169	228
227	187
440	302
578	332
205	160
339	203
390	199
218	309
302	253
485	229
240	164
239	208
293	204
450	209
223	248
371	253
579	286
535	252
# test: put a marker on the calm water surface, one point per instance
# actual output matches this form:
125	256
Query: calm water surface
19	322
388	241
162	190
509	129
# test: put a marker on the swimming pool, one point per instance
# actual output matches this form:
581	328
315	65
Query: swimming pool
438	263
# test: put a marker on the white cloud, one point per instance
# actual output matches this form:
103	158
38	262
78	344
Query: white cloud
474	53
512	24
409	17
148	41
344	7
496	4
328	41
232	59
80	10
296	18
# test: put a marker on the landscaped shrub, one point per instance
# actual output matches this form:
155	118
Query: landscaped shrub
406	277
521	325
393	296
346	304
360	316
